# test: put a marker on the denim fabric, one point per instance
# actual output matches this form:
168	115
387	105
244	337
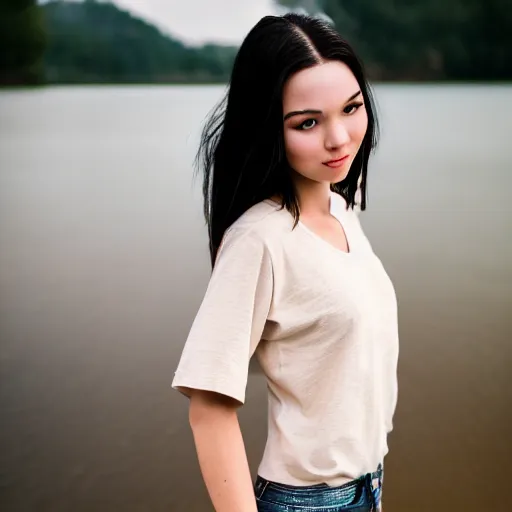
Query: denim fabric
361	495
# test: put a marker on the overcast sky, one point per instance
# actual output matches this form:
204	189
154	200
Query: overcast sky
197	21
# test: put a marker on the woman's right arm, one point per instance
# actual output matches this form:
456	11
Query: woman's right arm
221	451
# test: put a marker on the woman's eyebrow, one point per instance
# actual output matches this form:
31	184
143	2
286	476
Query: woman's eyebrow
354	96
301	112
312	111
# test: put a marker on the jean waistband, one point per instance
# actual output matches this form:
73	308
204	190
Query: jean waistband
366	488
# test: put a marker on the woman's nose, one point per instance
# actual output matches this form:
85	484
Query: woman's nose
336	136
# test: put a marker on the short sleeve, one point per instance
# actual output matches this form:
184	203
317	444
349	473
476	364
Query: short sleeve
230	320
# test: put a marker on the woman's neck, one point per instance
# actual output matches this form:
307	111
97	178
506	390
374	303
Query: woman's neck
314	198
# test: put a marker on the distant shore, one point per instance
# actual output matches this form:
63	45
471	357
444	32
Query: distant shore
226	83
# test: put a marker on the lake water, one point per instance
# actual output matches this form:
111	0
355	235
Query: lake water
103	264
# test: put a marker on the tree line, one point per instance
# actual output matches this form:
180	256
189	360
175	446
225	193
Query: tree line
22	42
96	42
427	39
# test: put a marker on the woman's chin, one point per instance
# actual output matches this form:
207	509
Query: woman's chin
340	176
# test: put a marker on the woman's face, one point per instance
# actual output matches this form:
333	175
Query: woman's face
325	121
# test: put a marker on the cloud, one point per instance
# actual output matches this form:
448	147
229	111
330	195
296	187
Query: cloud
200	21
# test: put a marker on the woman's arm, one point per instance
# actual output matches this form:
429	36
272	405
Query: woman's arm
221	452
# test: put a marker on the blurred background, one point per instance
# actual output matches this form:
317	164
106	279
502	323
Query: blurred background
104	260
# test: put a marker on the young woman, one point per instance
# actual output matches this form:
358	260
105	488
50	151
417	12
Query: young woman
294	281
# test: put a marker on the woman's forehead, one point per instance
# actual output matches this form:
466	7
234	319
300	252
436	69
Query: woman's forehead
332	81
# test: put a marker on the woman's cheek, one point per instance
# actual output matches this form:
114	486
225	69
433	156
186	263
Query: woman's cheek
360	126
301	146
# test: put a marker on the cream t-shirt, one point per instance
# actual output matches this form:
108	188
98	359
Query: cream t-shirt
323	325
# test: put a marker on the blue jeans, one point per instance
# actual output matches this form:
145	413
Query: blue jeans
360	495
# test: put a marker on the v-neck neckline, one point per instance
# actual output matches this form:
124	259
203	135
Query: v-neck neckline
333	210
334	213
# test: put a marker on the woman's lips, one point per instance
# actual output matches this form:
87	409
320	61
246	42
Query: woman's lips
336	163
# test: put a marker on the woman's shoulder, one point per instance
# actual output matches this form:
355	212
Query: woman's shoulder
257	232
265	220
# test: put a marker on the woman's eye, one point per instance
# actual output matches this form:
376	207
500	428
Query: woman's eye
350	109
307	124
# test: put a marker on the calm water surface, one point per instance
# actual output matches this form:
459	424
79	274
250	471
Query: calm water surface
103	264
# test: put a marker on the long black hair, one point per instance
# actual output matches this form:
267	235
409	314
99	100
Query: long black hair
242	153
